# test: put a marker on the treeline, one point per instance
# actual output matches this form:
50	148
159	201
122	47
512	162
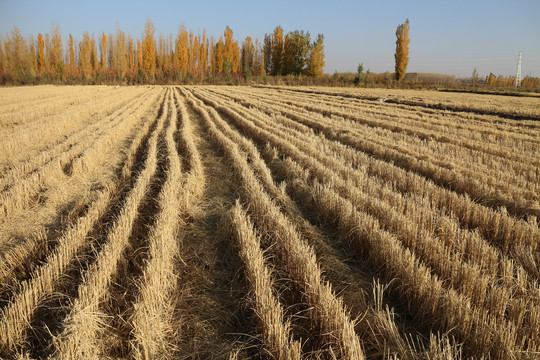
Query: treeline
509	81
187	57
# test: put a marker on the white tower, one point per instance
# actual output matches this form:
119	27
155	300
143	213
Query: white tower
518	73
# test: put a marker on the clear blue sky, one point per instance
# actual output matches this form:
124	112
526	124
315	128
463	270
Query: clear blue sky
450	36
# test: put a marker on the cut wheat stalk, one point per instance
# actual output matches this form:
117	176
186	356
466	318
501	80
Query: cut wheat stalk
81	326
329	316
275	330
16	317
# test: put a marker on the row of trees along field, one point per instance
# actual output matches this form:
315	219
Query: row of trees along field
508	81
122	58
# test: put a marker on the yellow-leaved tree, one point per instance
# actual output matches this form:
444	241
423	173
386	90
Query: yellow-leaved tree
119	58
130	55
258	67
203	55
277	51
235	57
315	63
219	55
56	53
191	60
16	54
41	54
195	54
93	54
149	49
402	50
229	45
85	57
103	51
182	49
71	57
212	55
139	55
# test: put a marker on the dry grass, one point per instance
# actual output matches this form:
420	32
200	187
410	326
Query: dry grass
282	223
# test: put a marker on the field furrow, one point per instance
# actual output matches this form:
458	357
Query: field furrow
326	310
354	163
39	236
81	328
18	315
47	132
378	327
494	186
275	331
456	268
24	182
213	222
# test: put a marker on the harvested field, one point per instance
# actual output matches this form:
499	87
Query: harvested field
201	222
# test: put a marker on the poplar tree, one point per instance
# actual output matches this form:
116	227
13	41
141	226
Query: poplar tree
182	49
47	43
41	54
55	53
316	57
195	55
295	51
32	58
191	60
248	50
119	58
148	49
16	54
103	51
402	50
235	57
267	53
85	57
258	67
93	55
71	57
110	56
130	55
212	55
139	55
219	55
277	51
229	45
203	54
161	54
490	80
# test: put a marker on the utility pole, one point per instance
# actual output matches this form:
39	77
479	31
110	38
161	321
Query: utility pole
518	73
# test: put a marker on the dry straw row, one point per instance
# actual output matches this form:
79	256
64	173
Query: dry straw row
284	143
449	173
65	149
56	127
95	153
505	231
17	315
153	324
327	312
81	327
379	332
